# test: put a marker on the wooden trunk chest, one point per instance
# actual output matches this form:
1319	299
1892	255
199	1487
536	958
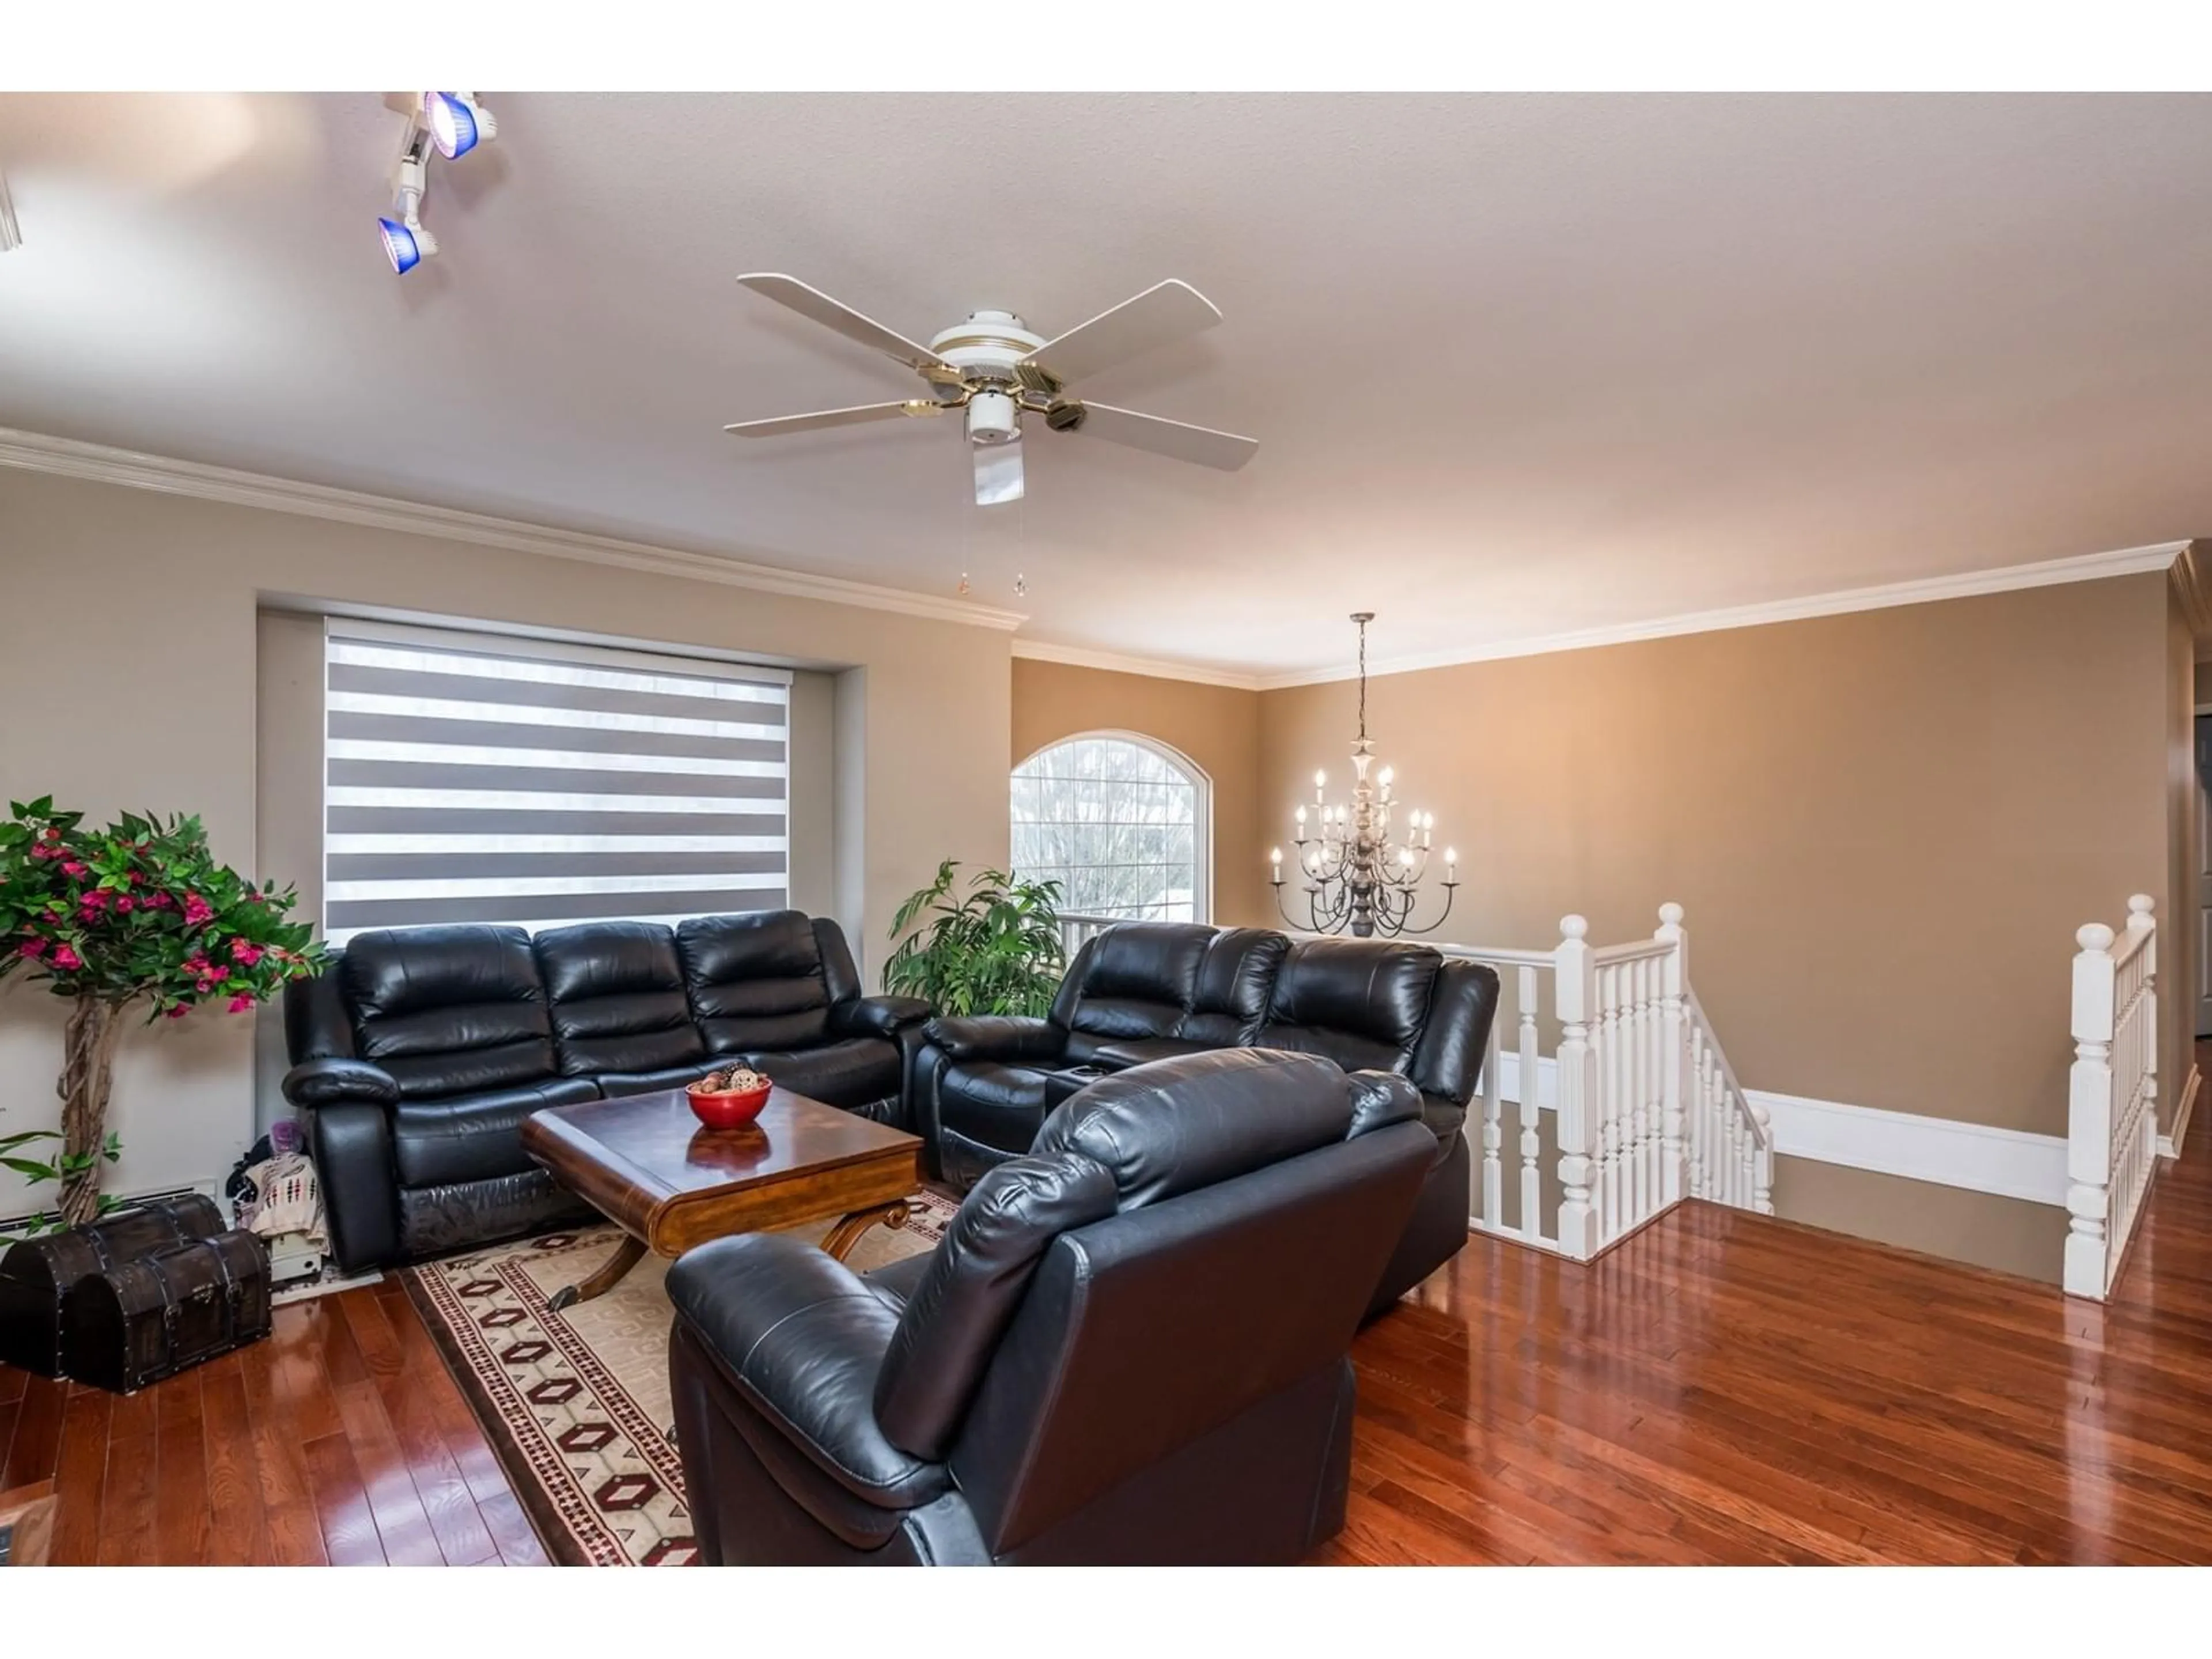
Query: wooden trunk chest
143	1321
37	1275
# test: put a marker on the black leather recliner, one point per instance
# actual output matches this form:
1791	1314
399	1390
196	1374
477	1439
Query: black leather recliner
1130	1346
982	1087
418	1054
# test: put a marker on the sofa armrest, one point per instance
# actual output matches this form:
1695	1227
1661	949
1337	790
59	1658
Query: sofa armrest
802	1339
340	1082
351	1145
997	1037
883	1016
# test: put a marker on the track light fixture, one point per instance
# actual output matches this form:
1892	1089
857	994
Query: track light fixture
406	243
452	122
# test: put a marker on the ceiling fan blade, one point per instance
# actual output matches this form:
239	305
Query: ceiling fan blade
998	473
856	416
813	304
1167	310
1178	441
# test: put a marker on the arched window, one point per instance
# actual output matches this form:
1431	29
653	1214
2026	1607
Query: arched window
1123	823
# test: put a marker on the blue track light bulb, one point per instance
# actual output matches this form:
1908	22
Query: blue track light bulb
458	124
406	244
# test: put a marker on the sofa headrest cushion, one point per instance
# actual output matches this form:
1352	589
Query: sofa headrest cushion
758	945
1147	962
1364	988
1176	1125
608	958
391	971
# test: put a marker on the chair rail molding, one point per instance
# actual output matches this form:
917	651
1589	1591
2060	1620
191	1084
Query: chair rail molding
36	451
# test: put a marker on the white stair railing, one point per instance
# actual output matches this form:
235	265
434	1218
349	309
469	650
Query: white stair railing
1649	1112
1644	1108
2112	1116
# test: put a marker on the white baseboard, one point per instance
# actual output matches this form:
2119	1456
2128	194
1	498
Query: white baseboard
208	1187
1973	1157
2170	1145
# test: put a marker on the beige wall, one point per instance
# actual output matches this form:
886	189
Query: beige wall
128	670
1217	727
1885	826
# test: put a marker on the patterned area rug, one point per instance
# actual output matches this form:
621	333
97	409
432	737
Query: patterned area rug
576	1404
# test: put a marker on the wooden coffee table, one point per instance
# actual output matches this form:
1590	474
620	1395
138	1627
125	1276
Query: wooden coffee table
646	1164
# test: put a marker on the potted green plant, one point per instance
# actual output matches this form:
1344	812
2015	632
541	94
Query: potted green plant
138	912
994	949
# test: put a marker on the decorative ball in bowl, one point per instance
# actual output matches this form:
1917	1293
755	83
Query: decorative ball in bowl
730	1098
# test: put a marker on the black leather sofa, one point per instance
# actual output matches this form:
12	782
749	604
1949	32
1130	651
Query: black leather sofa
1129	1347
417	1055
982	1087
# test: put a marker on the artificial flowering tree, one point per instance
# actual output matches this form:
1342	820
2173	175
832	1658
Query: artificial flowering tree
138	912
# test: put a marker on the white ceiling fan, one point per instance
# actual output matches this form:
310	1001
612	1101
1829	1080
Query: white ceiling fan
996	370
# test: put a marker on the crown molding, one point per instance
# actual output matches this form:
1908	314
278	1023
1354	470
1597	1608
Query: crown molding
1927	590
36	451
1113	662
2192	588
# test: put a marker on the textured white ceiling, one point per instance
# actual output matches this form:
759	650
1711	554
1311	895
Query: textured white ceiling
1519	364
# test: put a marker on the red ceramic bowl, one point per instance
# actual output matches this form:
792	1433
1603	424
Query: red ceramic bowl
727	1108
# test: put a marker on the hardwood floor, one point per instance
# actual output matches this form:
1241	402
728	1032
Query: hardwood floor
340	1440
1724	1387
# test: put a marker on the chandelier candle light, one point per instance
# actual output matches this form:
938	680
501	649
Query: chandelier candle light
1355	877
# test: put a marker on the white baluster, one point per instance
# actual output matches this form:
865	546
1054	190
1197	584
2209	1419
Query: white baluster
1532	1144
1762	1169
1674	967
1494	1196
1613	1047
2089	1114
1578	1084
1647	1092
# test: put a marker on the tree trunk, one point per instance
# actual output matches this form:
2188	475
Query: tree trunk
87	1072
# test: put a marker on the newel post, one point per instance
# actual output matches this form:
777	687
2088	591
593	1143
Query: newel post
1576	990
2089	1114
1675	1056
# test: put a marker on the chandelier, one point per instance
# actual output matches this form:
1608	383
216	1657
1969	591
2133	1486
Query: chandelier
1355	877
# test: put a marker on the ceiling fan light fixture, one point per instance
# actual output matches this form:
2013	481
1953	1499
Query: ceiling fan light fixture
994	418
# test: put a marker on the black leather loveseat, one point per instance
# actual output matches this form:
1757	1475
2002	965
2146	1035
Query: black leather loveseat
982	1087
417	1055
1129	1347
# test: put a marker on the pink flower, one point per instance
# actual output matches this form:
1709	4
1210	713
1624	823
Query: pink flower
197	911
125	904
65	958
245	953
71	867
218	974
179	1011
32	947
95	899
240	1003
159	901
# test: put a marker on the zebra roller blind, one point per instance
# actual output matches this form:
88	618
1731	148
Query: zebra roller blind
477	778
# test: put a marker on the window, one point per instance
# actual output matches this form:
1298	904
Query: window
1122	823
477	778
